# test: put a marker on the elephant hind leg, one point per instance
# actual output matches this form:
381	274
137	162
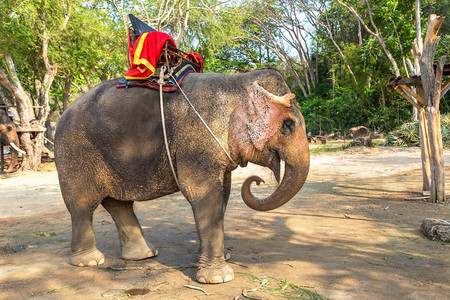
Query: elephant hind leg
132	242
84	250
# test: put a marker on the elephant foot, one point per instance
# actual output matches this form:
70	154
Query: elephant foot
217	274
10	169
138	251
87	259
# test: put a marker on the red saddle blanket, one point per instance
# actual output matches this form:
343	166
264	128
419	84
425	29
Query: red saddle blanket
144	55
148	53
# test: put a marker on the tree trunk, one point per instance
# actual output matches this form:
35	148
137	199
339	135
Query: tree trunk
305	73
383	97
375	33
415	114
317	64
360	41
424	150
333	82
32	159
66	94
2	161
437	190
431	83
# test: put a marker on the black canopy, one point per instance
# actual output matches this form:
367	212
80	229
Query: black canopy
139	26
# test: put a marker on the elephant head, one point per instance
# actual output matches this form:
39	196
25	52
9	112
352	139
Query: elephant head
8	136
272	129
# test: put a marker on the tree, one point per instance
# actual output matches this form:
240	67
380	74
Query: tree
27	31
45	38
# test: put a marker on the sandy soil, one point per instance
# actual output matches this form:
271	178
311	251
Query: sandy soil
349	234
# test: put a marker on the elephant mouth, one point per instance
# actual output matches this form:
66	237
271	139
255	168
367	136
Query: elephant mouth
275	165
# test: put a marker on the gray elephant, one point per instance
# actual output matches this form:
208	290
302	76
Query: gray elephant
9	137
110	150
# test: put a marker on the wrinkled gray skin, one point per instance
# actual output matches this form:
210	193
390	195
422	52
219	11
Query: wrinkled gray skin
361	135
9	135
110	150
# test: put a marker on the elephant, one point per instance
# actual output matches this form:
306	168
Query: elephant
110	150
8	136
361	136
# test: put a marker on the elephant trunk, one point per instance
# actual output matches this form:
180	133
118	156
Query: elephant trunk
293	180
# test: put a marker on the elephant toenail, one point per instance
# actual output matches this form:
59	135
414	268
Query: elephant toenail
92	263
228	277
101	261
201	280
81	265
216	279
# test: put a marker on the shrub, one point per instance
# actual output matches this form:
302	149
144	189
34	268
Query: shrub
407	134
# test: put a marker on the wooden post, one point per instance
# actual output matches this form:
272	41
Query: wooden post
437	190
424	149
431	83
424	144
428	92
2	159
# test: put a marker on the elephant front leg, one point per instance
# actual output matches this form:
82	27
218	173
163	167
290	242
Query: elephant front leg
14	160
132	242
209	210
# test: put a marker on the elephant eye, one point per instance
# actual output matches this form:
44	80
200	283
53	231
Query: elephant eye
9	128
288	127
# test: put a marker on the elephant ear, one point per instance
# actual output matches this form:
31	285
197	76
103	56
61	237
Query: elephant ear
267	113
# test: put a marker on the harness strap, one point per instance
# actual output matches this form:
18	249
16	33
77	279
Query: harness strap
163	119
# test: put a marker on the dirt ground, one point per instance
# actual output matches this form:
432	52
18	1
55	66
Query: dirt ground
349	234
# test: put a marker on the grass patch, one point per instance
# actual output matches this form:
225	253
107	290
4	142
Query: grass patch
327	148
65	288
280	288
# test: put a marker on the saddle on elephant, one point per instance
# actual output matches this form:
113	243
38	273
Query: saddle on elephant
148	51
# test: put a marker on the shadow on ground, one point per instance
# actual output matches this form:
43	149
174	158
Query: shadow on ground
345	237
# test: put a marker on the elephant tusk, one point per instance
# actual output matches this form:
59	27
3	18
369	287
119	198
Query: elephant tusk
283	100
17	149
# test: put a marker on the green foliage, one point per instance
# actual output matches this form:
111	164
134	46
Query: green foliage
92	48
338	103
327	148
352	105
84	43
407	134
222	38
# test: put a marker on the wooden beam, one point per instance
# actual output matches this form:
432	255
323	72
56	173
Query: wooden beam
401	92
34	129
415	80
405	81
446	69
6	106
412	93
445	88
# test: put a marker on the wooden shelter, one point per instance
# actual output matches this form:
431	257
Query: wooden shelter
424	91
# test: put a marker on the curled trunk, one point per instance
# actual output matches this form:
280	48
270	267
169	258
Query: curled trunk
293	180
